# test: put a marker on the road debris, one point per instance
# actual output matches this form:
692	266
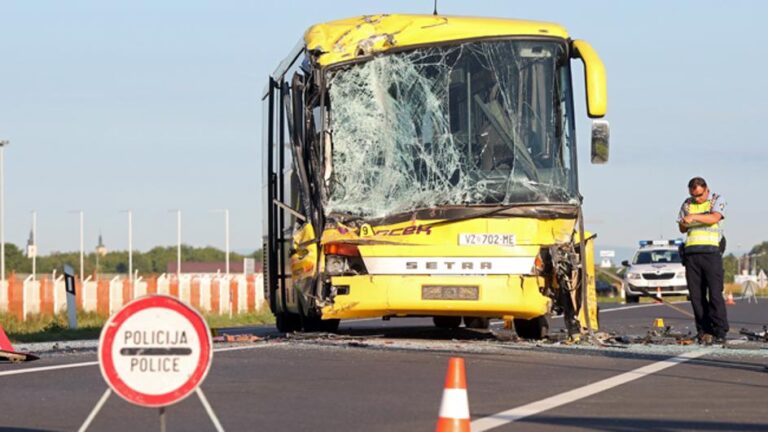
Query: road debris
237	338
755	336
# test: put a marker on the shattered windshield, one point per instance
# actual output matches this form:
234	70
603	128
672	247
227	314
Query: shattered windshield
472	124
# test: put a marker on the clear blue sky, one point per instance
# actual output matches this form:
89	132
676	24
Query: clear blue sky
154	105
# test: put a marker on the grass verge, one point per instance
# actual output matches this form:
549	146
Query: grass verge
241	320
45	328
48	328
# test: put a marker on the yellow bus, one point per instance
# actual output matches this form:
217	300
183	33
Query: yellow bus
425	165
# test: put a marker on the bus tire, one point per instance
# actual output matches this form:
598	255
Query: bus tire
447	322
536	328
632	299
287	322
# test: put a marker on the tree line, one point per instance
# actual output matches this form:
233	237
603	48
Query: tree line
757	258
154	260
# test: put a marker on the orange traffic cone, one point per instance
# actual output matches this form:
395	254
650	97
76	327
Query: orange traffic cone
729	299
454	408
7	351
658	294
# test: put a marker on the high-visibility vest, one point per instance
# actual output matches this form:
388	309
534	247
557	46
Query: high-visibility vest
702	234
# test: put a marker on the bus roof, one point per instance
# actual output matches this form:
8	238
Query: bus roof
345	39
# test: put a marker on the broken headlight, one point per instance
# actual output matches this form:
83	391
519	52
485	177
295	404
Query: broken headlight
343	259
335	264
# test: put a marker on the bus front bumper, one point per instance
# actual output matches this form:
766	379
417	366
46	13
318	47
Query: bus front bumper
366	296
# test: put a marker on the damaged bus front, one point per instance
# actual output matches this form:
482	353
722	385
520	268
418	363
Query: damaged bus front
426	166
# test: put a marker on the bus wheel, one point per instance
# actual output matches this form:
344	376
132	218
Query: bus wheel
287	322
477	322
536	328
447	322
632	299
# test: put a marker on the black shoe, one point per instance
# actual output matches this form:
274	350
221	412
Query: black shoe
719	340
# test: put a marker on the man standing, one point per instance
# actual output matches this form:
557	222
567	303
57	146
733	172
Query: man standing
701	218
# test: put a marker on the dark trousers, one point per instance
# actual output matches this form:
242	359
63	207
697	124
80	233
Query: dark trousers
704	274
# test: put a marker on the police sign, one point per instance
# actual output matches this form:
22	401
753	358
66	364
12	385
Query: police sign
155	351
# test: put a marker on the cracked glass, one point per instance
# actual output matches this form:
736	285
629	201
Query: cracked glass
478	123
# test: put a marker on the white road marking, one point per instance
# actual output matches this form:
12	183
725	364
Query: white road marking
94	363
533	408
48	368
639	306
620	308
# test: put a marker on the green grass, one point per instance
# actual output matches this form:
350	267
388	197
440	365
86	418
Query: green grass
48	328
241	320
606	299
39	328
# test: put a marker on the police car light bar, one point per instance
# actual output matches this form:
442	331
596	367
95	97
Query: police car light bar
676	242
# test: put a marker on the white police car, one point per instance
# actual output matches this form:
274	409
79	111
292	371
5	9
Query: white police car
656	267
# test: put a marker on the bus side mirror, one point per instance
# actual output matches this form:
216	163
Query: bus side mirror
594	77
625	263
601	134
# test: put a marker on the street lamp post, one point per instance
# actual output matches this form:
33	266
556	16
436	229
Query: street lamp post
226	238
82	248
82	245
130	251
226	254
34	245
3	144
178	242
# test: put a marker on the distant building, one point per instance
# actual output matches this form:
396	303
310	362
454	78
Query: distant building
31	246
606	255
101	250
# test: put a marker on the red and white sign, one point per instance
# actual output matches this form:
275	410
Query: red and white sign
155	351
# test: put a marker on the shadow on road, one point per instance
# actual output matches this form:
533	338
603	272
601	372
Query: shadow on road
15	429
418	332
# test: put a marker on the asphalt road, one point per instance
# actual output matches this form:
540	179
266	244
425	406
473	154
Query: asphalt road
388	375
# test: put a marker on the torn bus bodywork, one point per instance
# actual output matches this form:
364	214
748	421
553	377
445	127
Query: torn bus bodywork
426	166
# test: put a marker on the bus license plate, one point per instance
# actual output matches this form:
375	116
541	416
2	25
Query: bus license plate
450	292
489	239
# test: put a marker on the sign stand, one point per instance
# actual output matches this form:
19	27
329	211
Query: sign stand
154	352
95	411
748	292
200	394
162	419
209	410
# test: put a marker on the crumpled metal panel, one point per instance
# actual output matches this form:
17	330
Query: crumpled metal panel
347	39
